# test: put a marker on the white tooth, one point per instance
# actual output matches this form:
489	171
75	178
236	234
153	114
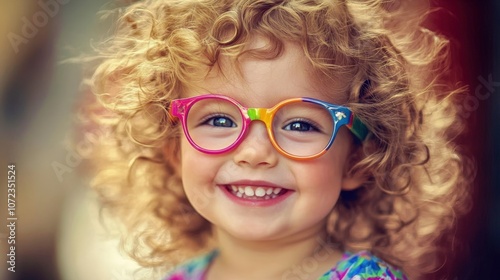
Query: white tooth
241	190
234	188
269	191
276	190
260	192
274	195
238	194
249	191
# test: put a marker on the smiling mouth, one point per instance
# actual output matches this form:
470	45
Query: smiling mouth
255	193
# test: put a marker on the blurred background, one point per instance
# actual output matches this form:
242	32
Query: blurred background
57	234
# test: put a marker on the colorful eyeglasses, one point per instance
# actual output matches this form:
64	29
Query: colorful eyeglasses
299	128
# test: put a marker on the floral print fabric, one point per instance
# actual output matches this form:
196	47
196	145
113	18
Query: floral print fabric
357	266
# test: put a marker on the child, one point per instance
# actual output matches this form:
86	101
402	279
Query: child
348	173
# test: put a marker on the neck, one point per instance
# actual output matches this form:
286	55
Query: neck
305	256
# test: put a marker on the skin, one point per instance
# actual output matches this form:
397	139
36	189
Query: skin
291	234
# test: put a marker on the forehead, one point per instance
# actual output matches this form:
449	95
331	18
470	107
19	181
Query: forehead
263	82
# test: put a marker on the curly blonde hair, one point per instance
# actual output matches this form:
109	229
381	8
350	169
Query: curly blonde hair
417	178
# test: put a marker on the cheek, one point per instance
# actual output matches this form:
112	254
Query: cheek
198	173
319	186
322	179
323	183
191	162
325	172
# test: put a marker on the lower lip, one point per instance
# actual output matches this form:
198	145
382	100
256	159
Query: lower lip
256	202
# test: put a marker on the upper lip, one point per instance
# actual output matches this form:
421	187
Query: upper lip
256	183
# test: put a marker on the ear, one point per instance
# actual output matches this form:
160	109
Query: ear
354	178
353	181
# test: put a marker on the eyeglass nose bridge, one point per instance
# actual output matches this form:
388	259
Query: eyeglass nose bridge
259	114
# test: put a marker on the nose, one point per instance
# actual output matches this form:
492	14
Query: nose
256	149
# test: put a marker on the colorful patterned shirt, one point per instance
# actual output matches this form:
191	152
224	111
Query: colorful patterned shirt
353	266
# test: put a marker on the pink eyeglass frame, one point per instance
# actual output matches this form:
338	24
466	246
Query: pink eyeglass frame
341	115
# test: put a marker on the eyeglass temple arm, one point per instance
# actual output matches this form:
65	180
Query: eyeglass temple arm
357	127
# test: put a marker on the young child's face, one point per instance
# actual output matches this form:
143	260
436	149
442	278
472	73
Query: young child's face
310	187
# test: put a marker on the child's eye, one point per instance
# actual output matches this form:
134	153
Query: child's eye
301	126
219	121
